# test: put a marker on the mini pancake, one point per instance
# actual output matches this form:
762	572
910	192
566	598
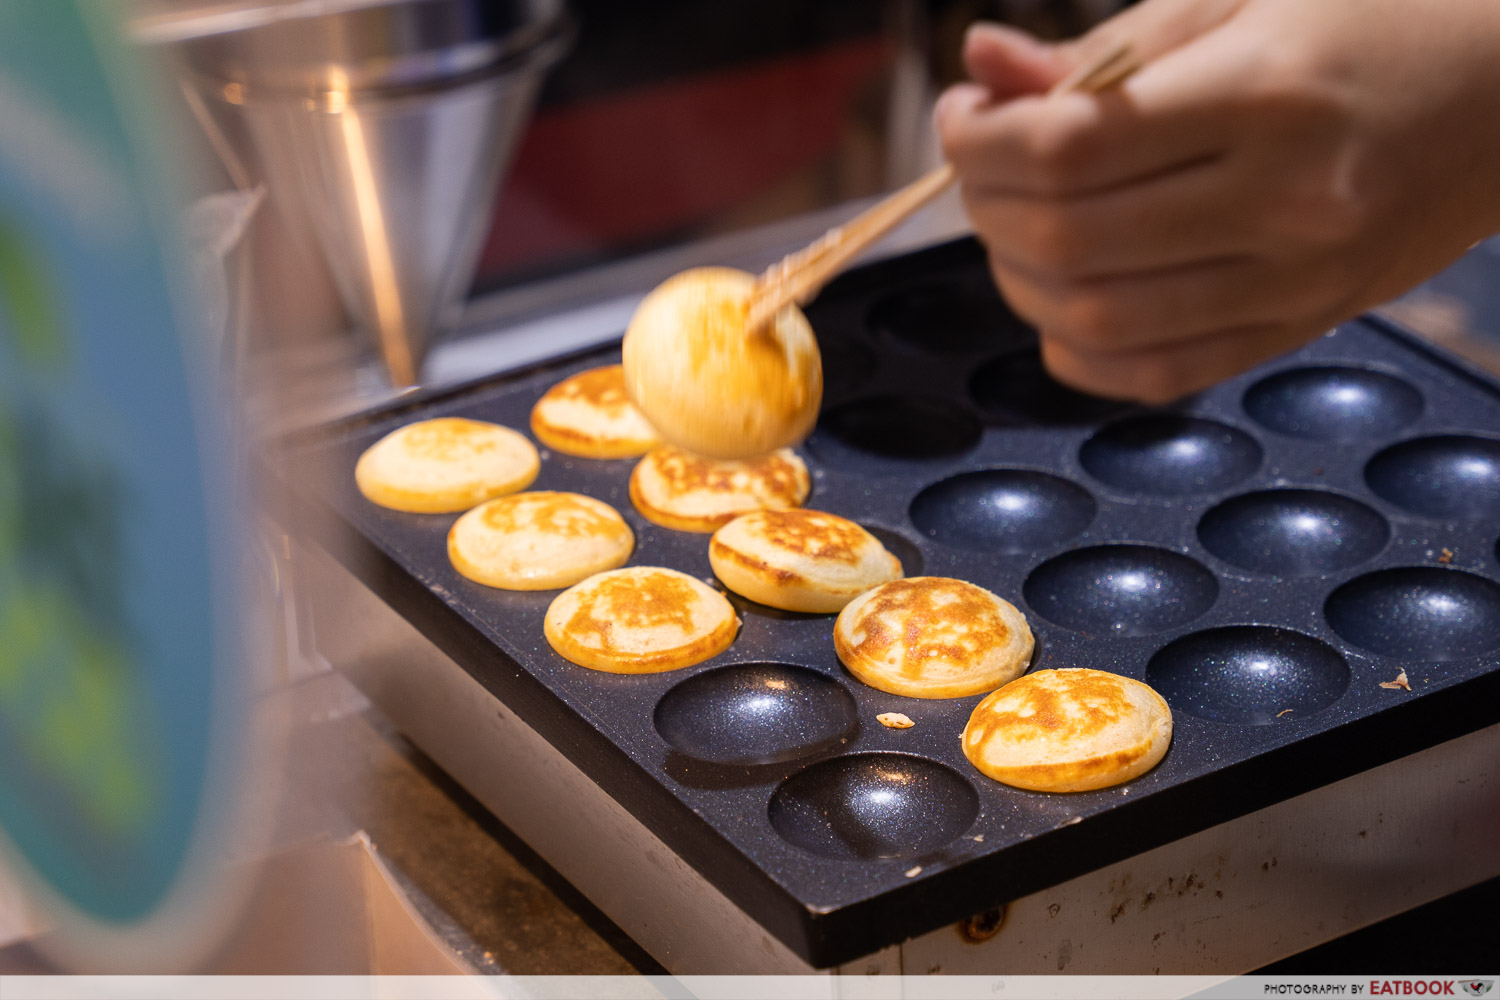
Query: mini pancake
1068	730
689	493
799	560
590	415
932	637
538	541
640	620
706	384
445	465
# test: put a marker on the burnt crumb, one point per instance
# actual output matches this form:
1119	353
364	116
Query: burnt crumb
1157	936
1364	833
1218	894
1191	884
1053	910
1117	912
1147	901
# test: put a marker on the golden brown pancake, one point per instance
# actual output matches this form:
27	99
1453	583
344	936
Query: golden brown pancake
590	415
538	541
707	385
932	637
799	560
444	465
1068	731
689	493
640	620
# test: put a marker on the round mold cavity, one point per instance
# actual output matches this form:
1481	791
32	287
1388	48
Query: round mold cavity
1249	674
901	547
883	430
1333	403
847	366
1018	385
1122	590
755	713
942	317
1446	476
1293	532
1168	455
1003	510
874	805
1418	613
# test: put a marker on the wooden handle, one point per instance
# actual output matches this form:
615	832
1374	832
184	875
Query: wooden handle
797	277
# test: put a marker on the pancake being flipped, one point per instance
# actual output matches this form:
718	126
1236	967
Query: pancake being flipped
444	465
932	637
799	560
706	384
1068	731
538	541
590	415
640	620
686	492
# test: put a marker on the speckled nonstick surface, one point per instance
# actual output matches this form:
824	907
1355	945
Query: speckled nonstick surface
1265	555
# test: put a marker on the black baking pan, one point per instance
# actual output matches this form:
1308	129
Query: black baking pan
1265	554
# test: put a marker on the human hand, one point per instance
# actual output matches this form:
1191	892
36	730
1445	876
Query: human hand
1276	167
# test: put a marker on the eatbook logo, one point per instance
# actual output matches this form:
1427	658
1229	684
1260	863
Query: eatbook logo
1478	987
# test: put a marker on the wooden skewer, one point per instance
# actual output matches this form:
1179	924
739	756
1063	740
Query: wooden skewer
797	277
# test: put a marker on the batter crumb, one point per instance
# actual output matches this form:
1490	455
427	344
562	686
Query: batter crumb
1400	682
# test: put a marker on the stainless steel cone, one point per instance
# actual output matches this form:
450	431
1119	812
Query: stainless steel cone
385	126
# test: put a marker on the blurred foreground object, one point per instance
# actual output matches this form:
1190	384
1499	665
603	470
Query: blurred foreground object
121	528
381	129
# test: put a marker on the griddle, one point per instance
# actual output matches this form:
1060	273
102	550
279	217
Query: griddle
1265	554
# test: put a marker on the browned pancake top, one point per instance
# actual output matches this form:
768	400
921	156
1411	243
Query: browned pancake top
930	617
549	512
602	388
812	533
684	472
1096	700
449	439
640	601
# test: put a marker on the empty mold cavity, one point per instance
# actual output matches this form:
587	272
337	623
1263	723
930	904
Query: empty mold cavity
1333	403
1018	385
1418	613
943	317
874	805
1448	476
847	366
1003	510
1293	532
901	547
1167	455
868	433
755	713
1249	674
1122	590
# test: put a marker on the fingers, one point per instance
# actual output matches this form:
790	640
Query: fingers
1009	63
1155	27
1173	219
1157	308
1162	374
1171	112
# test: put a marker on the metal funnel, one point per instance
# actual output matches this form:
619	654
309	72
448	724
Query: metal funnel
385	125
